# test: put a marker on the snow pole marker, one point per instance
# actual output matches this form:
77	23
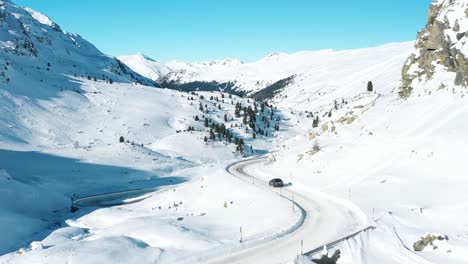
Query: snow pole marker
240	235
302	247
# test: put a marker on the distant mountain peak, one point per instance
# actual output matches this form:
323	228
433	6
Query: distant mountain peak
34	45
146	66
144	57
43	19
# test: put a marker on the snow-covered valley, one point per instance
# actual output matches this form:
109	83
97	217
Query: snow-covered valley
364	139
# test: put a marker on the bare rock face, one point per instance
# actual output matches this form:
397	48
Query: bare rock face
443	42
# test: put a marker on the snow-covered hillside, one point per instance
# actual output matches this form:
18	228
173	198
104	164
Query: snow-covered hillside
310	72
69	146
402	160
65	109
146	66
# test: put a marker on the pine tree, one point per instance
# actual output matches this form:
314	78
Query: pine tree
206	122
225	118
197	118
316	121
240	145
121	140
205	139
370	87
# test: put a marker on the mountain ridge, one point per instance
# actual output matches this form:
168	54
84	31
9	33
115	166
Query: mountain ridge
249	78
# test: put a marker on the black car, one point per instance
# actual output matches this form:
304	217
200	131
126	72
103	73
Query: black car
277	183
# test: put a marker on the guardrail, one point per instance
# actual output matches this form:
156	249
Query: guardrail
336	242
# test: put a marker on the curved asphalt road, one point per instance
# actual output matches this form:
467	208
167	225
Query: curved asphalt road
326	219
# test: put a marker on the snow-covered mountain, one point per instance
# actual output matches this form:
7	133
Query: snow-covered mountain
67	131
64	108
32	47
284	75
146	66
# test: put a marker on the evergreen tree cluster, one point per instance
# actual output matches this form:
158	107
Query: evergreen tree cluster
256	117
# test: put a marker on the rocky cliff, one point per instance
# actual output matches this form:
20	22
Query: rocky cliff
440	45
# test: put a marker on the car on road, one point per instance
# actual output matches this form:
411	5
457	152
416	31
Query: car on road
277	183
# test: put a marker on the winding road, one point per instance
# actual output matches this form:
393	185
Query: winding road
327	219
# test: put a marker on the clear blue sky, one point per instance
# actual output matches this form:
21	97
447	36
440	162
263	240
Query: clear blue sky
194	30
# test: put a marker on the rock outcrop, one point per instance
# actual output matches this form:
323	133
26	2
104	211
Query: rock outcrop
428	240
440	45
325	259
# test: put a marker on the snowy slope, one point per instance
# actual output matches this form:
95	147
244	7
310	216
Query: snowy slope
63	108
70	146
401	160
145	66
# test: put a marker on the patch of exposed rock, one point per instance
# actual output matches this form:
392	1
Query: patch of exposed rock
442	42
428	240
325	259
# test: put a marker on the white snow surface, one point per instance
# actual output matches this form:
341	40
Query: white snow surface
145	66
401	161
68	145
